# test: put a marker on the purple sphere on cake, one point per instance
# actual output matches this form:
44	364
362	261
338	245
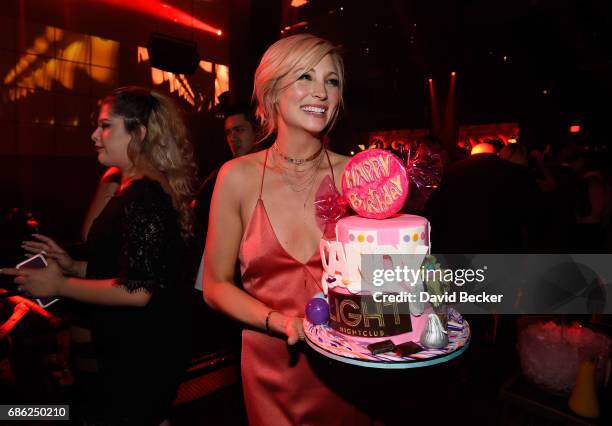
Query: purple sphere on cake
317	311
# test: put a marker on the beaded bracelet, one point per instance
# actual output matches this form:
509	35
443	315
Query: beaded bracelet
268	321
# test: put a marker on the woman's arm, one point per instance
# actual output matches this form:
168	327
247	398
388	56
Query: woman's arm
50	281
144	236
222	244
103	292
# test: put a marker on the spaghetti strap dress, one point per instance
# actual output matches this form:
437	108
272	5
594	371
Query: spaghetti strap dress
280	387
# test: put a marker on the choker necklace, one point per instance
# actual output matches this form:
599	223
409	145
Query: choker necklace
297	161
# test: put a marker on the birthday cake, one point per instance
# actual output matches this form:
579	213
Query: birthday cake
375	185
357	311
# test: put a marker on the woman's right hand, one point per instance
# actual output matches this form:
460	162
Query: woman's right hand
49	248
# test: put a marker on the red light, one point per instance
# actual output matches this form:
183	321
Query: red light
430	80
219	32
575	128
163	11
453	73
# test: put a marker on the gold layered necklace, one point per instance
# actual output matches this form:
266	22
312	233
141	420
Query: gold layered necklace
299	174
297	161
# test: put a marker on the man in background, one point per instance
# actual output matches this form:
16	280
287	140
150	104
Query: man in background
240	130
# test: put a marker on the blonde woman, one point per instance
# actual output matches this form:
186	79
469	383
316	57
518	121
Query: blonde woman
263	214
136	245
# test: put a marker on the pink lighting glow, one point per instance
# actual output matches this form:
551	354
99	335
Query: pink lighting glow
469	136
436	123
164	11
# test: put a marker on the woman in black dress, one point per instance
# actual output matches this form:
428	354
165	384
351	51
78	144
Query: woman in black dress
135	251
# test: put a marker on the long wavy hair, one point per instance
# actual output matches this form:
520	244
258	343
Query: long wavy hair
164	152
302	51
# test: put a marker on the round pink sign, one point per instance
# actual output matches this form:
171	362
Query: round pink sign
375	183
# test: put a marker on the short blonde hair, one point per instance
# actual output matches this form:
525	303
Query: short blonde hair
297	51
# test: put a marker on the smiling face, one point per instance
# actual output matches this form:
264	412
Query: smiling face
308	99
111	139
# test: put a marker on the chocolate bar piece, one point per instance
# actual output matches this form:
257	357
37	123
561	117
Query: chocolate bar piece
407	348
381	347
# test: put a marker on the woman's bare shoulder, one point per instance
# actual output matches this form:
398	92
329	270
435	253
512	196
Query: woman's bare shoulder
338	161
242	171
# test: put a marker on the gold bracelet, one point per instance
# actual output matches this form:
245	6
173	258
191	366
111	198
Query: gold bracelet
268	321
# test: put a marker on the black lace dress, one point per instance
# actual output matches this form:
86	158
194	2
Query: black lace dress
141	351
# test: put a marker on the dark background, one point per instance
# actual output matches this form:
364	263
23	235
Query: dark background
541	63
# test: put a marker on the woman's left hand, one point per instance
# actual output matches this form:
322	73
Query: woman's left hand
42	282
291	327
294	330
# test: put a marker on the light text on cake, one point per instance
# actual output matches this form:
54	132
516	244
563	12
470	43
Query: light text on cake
350	313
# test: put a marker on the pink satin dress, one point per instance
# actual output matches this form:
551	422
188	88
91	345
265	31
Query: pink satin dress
279	385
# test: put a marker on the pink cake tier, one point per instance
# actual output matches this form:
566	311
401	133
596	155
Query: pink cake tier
400	234
353	311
